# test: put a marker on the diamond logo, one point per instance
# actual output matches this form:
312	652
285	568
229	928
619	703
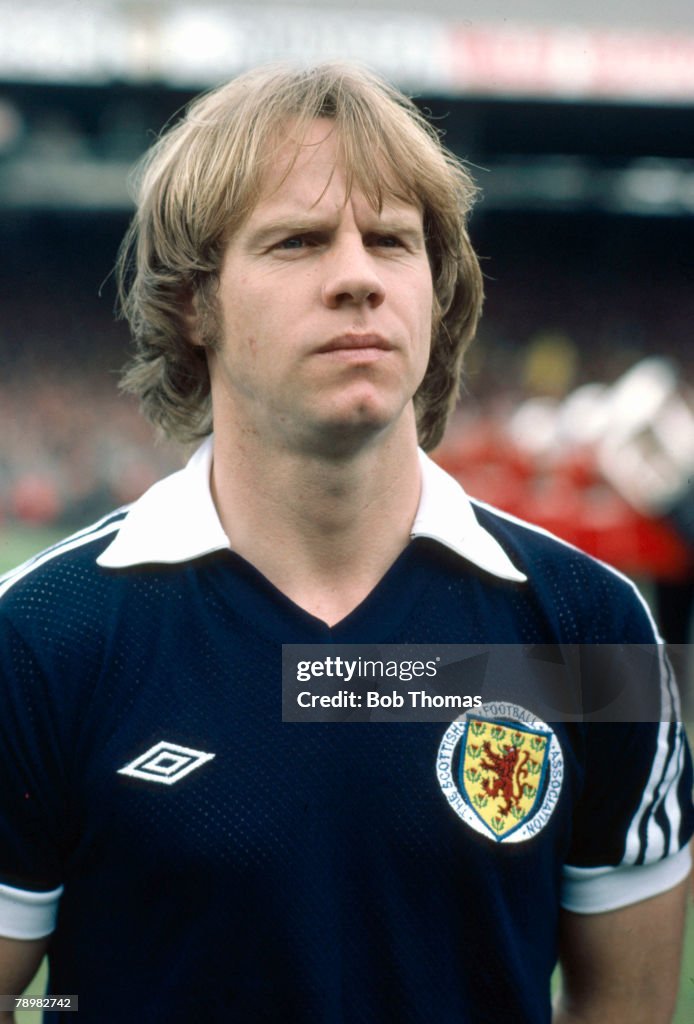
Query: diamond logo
165	762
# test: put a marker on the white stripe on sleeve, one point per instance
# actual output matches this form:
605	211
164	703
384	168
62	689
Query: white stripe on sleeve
27	915
596	890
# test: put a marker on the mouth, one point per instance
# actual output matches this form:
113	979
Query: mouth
356	343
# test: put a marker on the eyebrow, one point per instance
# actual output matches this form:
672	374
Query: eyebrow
392	224
285	226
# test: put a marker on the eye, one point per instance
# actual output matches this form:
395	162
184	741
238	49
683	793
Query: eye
300	241
293	242
387	241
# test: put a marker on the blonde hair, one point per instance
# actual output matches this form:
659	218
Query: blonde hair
203	177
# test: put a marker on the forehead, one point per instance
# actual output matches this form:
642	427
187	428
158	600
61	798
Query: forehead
310	169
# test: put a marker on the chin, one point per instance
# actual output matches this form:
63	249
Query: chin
347	435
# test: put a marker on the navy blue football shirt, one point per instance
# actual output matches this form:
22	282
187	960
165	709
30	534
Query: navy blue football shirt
195	858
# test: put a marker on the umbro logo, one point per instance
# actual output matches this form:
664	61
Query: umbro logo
165	762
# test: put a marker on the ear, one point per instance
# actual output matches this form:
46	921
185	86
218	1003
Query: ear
191	319
200	315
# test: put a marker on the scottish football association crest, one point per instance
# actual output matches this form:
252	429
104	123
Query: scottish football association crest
501	770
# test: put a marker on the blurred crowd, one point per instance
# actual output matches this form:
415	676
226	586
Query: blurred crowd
73	448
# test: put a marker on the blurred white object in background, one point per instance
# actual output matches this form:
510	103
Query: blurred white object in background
647	449
533	426
583	416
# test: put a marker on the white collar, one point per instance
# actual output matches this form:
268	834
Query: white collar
176	521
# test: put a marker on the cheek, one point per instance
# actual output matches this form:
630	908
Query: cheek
424	299
428	315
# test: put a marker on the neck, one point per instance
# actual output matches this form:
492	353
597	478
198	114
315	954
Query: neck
331	527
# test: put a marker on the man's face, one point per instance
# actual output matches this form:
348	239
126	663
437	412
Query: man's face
325	310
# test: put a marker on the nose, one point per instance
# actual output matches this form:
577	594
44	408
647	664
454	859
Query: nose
351	276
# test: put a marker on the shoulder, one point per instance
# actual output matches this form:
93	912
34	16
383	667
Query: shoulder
588	598
51	585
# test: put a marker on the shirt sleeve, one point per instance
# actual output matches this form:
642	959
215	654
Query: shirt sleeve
32	800
596	890
634	819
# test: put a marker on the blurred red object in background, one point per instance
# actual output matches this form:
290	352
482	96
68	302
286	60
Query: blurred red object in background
562	490
34	499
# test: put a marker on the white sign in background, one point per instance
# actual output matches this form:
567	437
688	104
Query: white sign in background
197	45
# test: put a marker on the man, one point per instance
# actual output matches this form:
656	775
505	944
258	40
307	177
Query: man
302	279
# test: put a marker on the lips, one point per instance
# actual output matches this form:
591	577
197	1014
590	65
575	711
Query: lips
355	343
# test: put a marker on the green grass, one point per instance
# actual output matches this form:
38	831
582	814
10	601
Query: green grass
17	543
685	1007
37	988
20	543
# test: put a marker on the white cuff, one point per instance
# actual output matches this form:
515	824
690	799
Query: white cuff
595	890
27	915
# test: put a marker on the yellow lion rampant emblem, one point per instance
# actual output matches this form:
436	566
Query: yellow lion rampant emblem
502	773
